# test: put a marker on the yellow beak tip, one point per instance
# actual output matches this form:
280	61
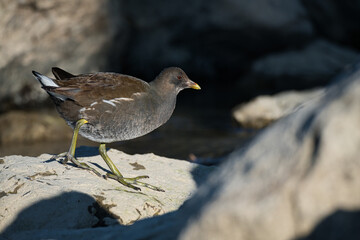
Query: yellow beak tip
196	86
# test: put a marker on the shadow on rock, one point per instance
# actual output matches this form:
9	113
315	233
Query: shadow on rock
340	224
85	151
201	174
170	225
71	210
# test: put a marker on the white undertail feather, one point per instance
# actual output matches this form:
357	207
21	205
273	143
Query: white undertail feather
44	80
48	82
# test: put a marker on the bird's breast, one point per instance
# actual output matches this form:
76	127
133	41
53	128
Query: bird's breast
123	119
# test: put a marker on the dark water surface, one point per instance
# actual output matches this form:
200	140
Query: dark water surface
187	135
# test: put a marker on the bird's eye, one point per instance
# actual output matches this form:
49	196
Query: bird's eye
179	77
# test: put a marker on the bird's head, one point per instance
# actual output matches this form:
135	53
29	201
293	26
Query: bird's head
176	78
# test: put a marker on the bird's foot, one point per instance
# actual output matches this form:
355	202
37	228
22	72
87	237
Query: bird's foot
60	156
128	182
66	156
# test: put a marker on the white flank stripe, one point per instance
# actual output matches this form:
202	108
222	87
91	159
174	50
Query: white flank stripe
93	104
86	109
109	102
123	99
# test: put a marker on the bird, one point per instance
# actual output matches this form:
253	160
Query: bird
107	107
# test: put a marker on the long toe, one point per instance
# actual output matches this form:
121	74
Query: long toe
81	164
152	187
134	179
62	157
128	182
123	181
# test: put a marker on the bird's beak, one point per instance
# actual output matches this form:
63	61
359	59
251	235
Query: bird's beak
193	85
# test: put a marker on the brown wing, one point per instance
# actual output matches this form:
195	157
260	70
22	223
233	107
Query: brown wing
86	89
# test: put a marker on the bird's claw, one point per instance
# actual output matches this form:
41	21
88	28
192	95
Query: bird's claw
128	182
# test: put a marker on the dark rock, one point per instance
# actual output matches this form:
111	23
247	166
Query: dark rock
210	39
336	20
313	65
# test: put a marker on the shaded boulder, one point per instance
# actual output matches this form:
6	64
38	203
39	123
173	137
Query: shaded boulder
213	40
336	20
296	174
308	67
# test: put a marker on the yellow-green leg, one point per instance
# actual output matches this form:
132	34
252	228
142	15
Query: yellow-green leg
70	155
128	182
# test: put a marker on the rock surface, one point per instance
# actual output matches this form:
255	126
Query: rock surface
299	179
319	59
264	110
37	35
336	20
209	36
308	67
42	194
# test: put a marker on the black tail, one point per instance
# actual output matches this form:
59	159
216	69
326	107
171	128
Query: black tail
61	74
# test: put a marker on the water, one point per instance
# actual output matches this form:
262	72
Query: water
188	135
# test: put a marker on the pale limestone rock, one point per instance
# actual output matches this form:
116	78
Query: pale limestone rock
40	194
263	110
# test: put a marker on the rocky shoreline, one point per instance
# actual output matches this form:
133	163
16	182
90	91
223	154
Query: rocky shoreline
298	179
42	194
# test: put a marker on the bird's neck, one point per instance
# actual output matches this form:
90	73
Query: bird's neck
166	99
164	90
